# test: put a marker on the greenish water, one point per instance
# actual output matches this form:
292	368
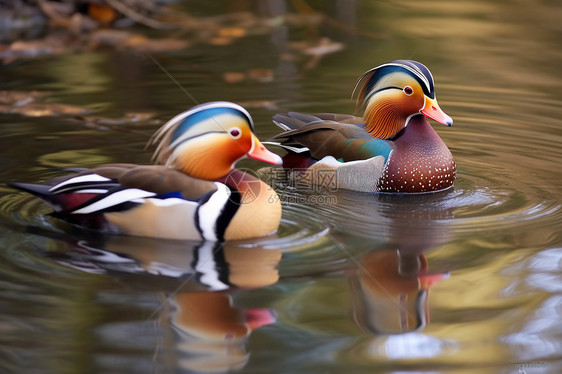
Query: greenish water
340	287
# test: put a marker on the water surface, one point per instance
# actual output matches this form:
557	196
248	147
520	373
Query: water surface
463	281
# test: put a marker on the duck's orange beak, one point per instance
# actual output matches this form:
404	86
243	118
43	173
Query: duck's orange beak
431	110
259	152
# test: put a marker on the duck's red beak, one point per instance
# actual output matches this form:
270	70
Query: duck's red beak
431	110
428	280
259	152
256	318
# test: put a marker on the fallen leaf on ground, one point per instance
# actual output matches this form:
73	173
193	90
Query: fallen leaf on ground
261	74
101	12
129	40
220	40
129	118
326	46
156	45
18	98
321	47
47	110
233	77
232	32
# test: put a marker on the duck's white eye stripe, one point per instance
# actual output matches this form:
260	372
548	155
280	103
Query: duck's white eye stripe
199	108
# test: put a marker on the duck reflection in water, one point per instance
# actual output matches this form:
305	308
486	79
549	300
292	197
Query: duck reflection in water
390	282
390	290
212	332
208	331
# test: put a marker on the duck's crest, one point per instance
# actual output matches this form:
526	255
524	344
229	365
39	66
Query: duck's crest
170	134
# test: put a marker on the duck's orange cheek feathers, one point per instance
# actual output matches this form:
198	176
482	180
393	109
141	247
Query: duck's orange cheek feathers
384	118
211	163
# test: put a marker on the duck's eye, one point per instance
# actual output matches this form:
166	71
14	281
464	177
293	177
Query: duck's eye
408	90
234	133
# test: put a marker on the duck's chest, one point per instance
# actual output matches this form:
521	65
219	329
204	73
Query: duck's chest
420	162
259	212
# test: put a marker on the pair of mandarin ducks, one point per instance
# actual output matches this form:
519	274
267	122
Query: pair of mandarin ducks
195	192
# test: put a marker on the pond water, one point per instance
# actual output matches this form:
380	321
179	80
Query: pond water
464	281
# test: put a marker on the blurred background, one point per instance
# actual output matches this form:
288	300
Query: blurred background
464	281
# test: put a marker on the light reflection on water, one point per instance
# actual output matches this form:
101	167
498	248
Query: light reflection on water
116	305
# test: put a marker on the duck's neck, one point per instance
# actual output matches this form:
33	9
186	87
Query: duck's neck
420	161
420	136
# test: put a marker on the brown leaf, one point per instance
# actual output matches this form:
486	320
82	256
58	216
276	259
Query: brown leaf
101	13
155	45
233	77
220	41
326	46
129	118
18	98
261	74
231	32
49	110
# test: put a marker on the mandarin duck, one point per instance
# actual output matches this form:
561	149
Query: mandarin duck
392	148
194	193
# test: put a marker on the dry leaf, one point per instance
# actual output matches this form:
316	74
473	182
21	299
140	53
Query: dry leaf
220	41
261	74
233	77
49	110
231	32
18	98
129	118
326	46
156	45
101	13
